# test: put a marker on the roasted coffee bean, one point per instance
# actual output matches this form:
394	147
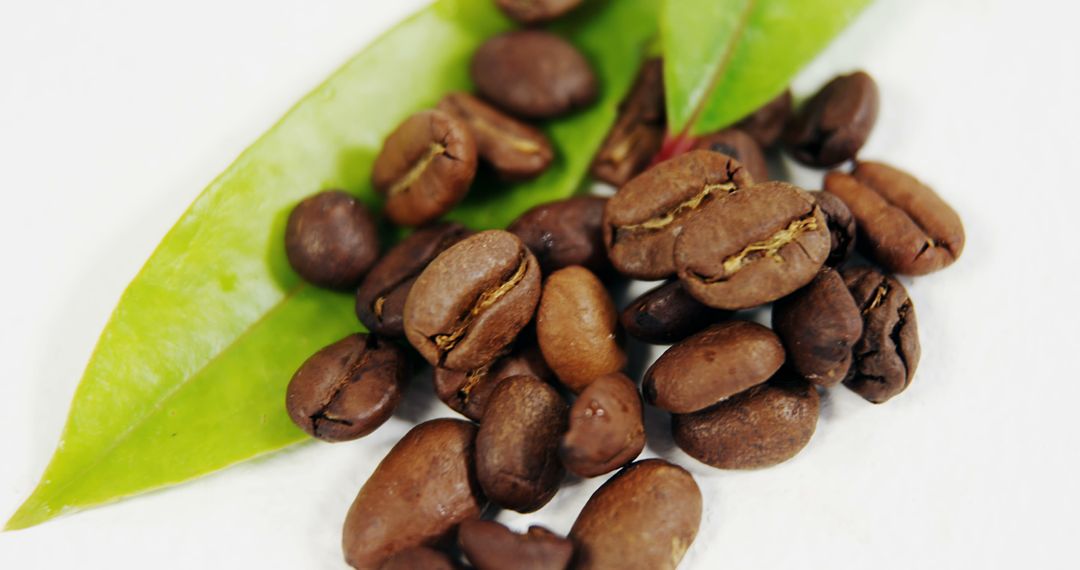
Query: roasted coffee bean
419	558
767	123
740	146
469	304
380	301
904	225
517	446
348	389
819	325
536	11
888	352
643	219
835	123
468	392
491	546
425	167
754	246
606	427
576	327
841	225
638	132
331	240
644	518
417	495
714	364
667	314
763	426
515	150
533	74
564	233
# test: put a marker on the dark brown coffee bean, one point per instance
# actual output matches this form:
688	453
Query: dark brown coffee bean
638	132
417	496
515	150
740	146
644	518
469	304
468	392
533	74
518	443
331	240
419	558
819	324
606	427
835	123
767	123
905	226
763	426
752	247
536	11
380	301
348	389
888	352
643	219
714	364
667	314
576	328
564	233
841	225
425	167
491	546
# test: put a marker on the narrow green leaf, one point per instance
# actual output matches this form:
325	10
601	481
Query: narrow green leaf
189	374
725	58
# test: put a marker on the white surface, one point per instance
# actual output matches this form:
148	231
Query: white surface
113	116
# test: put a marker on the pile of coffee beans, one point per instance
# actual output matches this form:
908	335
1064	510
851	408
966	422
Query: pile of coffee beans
527	341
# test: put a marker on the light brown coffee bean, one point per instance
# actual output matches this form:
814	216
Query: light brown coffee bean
419	558
491	546
576	327
714	364
740	146
638	132
468	393
886	355
606	427
515	150
417	495
835	123
644	518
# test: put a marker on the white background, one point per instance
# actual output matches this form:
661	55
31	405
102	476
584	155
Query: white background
114	114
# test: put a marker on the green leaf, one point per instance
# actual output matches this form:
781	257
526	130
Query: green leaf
725	58
189	375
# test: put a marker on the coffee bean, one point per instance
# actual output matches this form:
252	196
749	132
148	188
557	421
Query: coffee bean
754	246
576	328
536	11
606	427
380	300
425	167
767	123
533	74
419	558
417	495
331	240
471	301
905	226
638	132
740	146
667	314
763	426
841	224
643	219
819	324
491	546
835	123
515	150
888	352
348	389
518	442
564	233
644	518
468	392
714	364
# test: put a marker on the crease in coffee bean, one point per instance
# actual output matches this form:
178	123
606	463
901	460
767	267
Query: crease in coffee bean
662	221
434	150
767	248
880	293
894	335
472	378
519	143
320	417
377	306
445	342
